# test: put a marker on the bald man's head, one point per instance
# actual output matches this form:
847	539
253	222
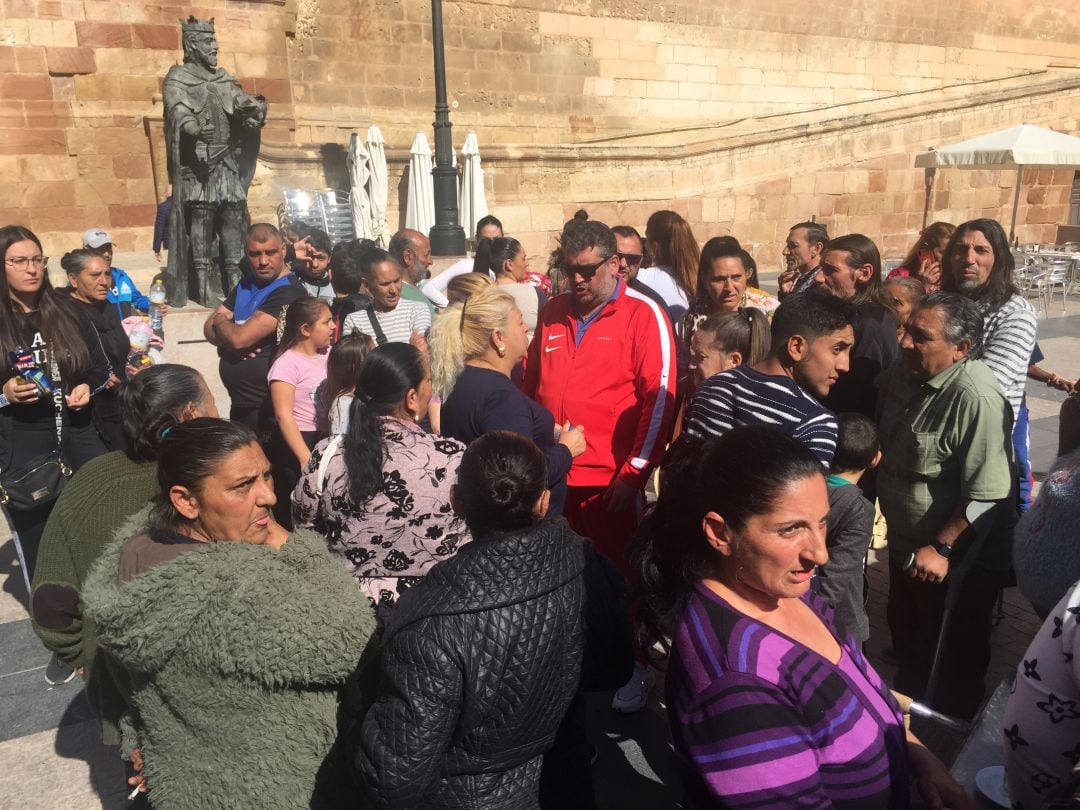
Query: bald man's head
413	252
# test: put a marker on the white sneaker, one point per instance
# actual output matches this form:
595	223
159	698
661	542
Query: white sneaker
635	694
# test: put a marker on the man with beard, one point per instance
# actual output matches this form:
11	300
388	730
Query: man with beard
802	255
412	250
978	264
851	269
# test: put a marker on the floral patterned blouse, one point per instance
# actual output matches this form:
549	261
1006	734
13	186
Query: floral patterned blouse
398	535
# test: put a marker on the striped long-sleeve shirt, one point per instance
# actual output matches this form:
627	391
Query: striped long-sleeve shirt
743	396
760	721
1008	338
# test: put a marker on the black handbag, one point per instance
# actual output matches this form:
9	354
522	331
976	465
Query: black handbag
40	481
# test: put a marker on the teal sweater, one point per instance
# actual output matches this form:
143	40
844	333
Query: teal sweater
101	496
231	657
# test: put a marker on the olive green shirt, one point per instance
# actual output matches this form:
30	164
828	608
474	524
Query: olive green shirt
942	441
411	292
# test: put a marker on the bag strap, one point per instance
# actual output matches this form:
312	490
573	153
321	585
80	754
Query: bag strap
324	463
380	336
58	402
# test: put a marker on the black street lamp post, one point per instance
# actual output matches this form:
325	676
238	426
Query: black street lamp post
447	236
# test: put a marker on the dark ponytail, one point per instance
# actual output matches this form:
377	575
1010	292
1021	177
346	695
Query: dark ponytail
671	553
744	330
501	477
386	376
493	254
153	401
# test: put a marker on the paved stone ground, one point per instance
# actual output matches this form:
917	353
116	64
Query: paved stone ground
51	754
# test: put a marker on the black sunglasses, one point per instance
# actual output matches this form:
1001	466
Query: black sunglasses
586	271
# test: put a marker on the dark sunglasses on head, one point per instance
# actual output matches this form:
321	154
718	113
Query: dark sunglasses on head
586	271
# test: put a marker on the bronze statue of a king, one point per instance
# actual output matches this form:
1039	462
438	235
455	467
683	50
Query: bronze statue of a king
212	136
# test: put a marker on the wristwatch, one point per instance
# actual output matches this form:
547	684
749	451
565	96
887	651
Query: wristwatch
942	549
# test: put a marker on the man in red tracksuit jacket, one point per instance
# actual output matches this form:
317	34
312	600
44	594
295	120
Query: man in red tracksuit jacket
603	357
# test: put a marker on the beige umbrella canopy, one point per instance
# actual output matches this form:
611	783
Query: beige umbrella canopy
1021	147
359	163
420	198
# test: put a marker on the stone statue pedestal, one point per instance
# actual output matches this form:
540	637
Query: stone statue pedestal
185	344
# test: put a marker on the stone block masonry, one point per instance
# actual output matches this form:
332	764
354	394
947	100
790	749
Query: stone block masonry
624	109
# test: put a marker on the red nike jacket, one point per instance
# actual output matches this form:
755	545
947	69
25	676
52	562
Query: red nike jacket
619	383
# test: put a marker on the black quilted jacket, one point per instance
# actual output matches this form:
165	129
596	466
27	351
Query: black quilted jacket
480	660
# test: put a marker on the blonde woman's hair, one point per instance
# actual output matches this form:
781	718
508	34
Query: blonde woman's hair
463	332
462	288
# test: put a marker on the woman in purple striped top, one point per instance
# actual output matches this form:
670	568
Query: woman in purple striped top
768	709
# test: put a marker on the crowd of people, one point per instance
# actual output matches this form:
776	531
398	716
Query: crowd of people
422	535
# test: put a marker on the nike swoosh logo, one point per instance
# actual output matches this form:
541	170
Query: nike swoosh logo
555	337
551	348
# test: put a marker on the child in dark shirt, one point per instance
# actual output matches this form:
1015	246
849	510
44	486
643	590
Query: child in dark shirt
851	524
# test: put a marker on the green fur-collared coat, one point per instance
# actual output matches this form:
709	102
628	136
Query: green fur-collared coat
232	656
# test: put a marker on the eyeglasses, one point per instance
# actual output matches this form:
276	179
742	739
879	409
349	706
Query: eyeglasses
631	259
21	262
586	271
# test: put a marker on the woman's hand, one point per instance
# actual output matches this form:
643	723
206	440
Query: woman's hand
79	397
418	340
277	535
138	781
20	392
936	785
573	439
1060	383
930	273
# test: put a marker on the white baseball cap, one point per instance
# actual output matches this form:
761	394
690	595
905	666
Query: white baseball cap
96	237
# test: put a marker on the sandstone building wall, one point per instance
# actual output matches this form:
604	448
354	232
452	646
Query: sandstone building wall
743	115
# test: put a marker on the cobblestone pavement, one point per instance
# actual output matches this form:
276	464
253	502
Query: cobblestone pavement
51	755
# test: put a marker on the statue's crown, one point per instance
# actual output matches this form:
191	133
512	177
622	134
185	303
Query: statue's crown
193	26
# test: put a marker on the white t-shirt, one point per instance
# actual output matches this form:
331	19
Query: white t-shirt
435	288
397	325
660	280
339	414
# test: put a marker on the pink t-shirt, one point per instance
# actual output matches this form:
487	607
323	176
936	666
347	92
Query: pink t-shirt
305	372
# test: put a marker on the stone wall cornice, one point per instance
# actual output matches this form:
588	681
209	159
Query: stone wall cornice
751	134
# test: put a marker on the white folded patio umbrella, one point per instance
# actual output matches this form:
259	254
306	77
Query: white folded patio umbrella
358	162
420	200
1021	147
473	205
378	187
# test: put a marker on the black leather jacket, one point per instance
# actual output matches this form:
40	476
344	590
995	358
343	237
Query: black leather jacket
479	662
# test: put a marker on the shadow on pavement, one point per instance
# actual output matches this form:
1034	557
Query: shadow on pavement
10	571
80	738
634	766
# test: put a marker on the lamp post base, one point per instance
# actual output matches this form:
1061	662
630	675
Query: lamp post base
447	240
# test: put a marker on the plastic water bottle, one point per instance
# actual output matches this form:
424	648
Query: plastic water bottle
140	336
157	301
